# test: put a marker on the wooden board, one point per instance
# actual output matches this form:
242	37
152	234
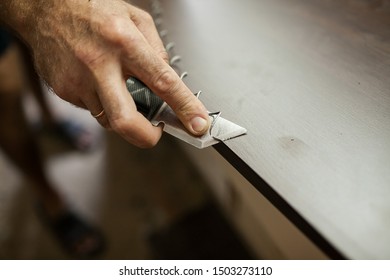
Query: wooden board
310	80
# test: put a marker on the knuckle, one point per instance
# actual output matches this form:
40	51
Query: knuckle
165	82
146	17
141	17
112	26
89	56
113	37
120	125
116	32
123	125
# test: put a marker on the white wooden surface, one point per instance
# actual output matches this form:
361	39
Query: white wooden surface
310	80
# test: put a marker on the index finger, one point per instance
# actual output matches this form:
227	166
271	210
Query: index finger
165	82
145	24
150	59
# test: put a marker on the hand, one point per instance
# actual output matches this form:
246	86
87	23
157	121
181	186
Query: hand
85	50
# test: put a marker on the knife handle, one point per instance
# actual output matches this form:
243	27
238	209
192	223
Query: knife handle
146	101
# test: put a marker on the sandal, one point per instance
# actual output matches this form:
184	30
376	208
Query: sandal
78	238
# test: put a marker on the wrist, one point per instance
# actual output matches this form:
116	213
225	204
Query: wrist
20	15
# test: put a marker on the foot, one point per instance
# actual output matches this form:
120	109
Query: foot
71	133
77	237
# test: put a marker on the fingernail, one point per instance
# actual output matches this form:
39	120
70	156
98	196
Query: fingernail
198	124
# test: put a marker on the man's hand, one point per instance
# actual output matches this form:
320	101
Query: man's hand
86	49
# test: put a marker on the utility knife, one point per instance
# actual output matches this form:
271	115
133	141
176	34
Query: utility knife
158	112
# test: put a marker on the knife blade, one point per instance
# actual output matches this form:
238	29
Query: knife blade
158	112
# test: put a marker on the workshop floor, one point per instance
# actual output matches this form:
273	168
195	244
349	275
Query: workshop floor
149	203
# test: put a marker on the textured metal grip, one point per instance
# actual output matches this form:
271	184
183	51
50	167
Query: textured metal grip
147	102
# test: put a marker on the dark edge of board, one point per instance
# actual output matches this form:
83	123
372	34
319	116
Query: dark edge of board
281	204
